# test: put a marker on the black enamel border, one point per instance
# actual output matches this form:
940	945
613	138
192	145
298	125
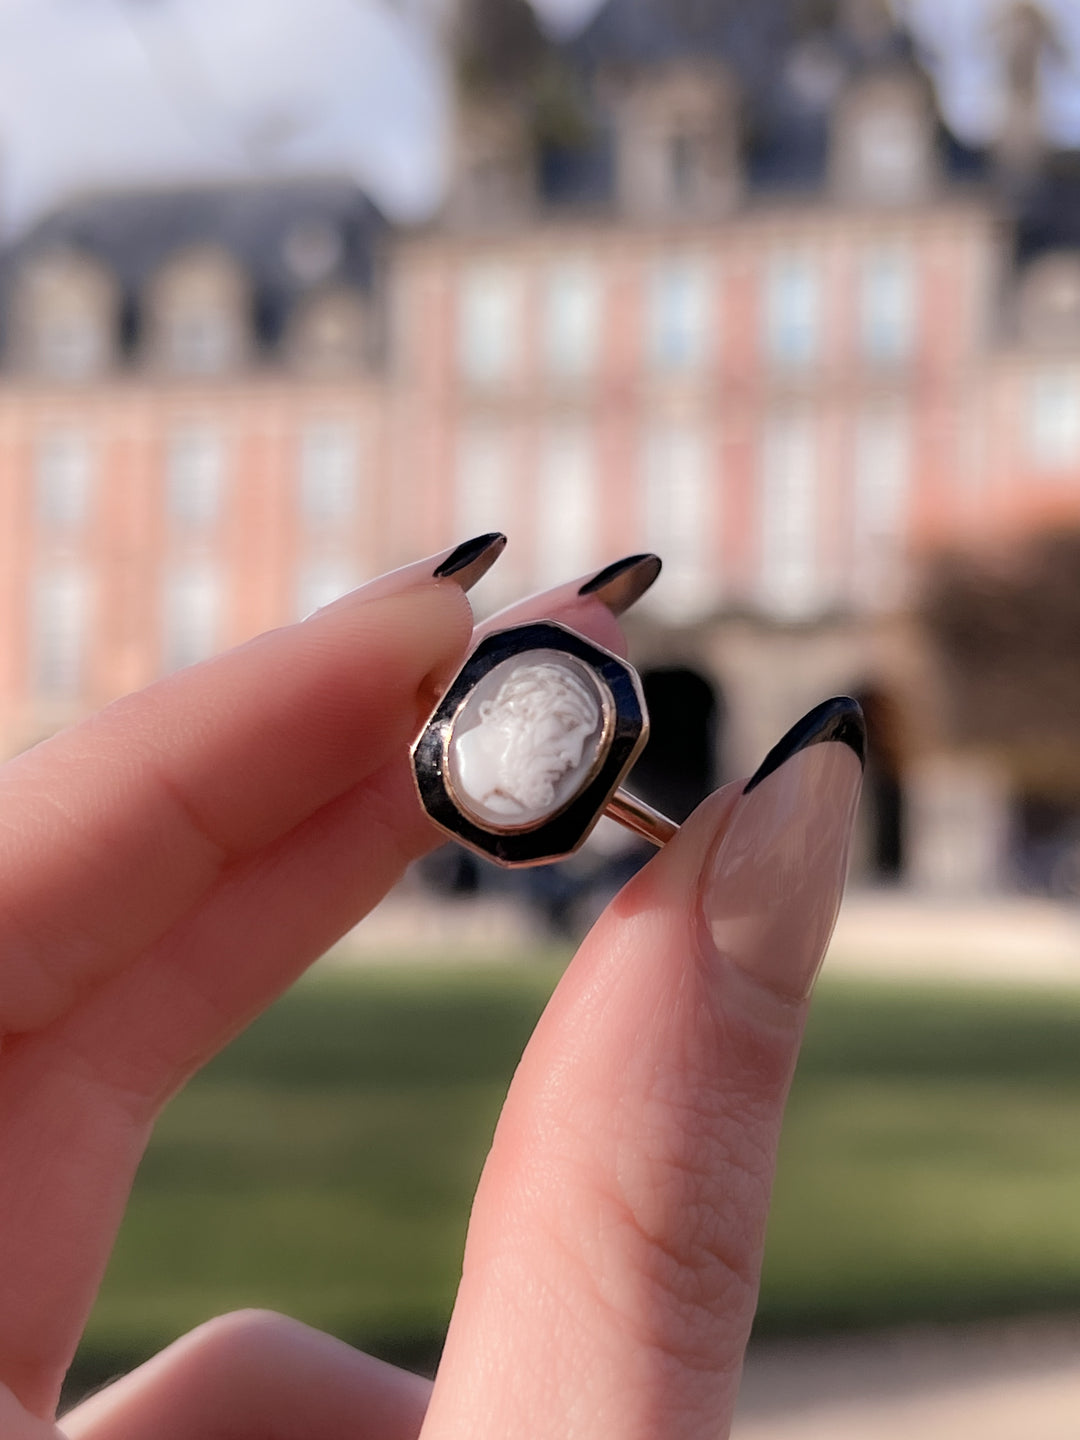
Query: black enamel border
565	832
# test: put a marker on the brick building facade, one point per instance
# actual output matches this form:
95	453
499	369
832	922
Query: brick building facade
220	408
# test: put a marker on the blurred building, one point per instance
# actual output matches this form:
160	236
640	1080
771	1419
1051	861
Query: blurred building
710	280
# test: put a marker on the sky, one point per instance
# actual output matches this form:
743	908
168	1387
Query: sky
123	92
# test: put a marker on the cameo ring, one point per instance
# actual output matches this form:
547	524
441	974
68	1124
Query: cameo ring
527	749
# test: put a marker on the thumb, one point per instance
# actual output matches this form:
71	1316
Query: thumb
613	1256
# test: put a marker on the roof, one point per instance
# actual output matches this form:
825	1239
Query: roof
790	59
265	226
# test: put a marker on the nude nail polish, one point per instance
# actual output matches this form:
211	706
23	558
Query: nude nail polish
772	887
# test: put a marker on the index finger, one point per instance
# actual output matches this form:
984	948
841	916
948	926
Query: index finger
117	827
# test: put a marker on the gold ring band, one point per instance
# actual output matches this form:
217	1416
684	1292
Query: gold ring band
628	810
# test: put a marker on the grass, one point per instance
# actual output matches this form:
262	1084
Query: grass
325	1163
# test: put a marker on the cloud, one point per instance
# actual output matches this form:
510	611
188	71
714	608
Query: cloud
131	92
105	92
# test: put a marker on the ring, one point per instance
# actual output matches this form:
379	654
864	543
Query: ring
529	745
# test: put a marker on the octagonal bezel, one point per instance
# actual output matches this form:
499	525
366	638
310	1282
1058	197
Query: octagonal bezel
566	830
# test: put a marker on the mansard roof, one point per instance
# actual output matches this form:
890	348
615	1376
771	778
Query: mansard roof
134	232
790	58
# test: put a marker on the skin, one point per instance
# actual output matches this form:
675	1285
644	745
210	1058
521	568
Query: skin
171	865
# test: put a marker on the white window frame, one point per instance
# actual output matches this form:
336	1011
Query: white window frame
881	499
191	614
71	343
64	474
793	309
678	511
679	320
565	515
195	464
887	303
572	319
200	339
789	577
483	490
490	315
1051	427
60	629
329	472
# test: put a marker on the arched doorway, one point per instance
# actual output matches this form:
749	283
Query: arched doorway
882	838
678	767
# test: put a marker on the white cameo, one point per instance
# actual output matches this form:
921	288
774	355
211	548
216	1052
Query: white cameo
538	726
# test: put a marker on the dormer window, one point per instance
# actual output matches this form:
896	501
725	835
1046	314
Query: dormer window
676	147
199	315
64	315
313	250
686	166
328	332
493	164
199	342
889	152
883	143
1049	302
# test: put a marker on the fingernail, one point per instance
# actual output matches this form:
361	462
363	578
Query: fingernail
839	719
772	887
470	562
464	564
622	584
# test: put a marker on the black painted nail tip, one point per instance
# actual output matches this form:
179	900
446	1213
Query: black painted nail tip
618	568
469	552
622	584
839	719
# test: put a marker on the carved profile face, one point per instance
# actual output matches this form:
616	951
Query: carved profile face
528	739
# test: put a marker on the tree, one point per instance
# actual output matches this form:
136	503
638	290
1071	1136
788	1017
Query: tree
1007	631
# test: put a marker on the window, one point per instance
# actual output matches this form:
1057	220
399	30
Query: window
200	342
571	320
195	474
1053	419
792	310
483	481
687	165
565	504
789	578
890	153
489	322
321	582
191	616
198	311
71	345
63	477
882	467
677	512
678	315
58	641
62	315
328	472
887	304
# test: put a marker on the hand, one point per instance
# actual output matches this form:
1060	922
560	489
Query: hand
172	864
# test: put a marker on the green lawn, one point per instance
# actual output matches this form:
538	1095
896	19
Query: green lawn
324	1165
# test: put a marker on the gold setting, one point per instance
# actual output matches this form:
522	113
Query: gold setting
560	832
